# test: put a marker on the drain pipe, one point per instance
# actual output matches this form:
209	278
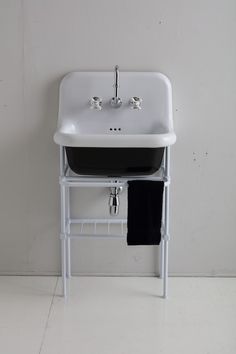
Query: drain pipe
114	200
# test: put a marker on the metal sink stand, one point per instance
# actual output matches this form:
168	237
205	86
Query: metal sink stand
68	181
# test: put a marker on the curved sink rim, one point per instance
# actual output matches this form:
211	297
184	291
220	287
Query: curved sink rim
115	141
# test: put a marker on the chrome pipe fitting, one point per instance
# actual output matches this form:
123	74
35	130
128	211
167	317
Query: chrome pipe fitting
114	200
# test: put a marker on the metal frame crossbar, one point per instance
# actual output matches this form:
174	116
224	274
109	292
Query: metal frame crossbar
68	181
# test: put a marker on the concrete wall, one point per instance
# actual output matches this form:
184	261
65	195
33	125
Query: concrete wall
192	42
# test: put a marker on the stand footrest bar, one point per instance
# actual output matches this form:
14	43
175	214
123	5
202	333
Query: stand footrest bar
74	236
97	221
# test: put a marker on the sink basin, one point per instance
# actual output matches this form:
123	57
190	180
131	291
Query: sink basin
115	141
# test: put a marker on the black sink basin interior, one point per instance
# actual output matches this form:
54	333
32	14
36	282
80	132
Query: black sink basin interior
114	162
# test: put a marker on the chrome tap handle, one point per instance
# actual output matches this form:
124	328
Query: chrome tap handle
96	103
135	102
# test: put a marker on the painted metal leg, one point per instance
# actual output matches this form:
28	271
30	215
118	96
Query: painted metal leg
161	264
161	257
164	245
166	224
68	247
161	248
68	258
63	267
63	241
165	275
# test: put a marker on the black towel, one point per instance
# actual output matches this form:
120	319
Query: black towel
144	212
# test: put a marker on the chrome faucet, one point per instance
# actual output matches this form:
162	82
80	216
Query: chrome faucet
116	101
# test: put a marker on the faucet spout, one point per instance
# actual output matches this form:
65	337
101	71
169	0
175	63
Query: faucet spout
116	101
116	84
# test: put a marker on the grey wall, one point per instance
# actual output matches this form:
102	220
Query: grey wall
193	42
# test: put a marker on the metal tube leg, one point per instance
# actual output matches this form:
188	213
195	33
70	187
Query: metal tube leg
63	241
165	245
63	267
68	248
161	255
68	258
161	259
166	224
164	260
165	275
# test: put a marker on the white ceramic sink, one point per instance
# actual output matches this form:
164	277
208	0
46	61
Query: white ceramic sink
100	136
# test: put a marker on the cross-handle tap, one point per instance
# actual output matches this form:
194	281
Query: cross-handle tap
96	103
135	102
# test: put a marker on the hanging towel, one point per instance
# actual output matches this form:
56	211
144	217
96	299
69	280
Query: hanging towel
144	212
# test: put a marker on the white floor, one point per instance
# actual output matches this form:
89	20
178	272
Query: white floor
117	316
